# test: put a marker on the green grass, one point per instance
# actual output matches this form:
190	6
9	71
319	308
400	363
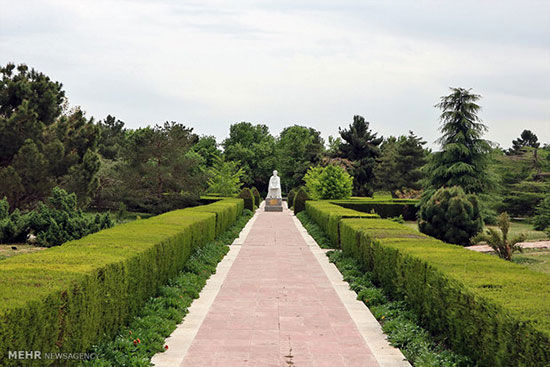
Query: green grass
22	248
516	227
534	259
136	343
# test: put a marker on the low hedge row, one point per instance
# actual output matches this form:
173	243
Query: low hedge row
494	311
66	298
385	208
328	216
227	211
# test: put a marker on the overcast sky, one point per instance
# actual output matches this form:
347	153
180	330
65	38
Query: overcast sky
209	64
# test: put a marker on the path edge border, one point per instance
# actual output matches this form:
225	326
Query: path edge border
182	337
385	354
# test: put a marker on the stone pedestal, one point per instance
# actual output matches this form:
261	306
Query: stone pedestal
273	205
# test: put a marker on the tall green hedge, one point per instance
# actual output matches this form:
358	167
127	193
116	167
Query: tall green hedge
66	298
494	311
300	200
328	217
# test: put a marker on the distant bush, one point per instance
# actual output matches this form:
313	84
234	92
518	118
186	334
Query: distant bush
12	226
518	203
61	221
248	198
330	182
290	198
451	215
257	198
542	217
300	201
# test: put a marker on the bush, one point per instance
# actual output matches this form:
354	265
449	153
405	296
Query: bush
518	203
257	198
290	198
541	221
248	198
451	215
300	201
330	182
494	311
67	298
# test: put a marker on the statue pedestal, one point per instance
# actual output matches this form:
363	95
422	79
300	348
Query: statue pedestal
273	205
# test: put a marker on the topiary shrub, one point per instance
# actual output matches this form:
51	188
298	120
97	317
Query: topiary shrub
542	217
248	198
300	201
257	198
450	215
290	198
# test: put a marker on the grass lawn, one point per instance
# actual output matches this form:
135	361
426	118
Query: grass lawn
534	259
7	251
515	229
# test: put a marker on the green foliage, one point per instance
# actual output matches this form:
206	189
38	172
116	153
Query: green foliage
314	230
499	242
330	182
399	321
248	198
541	220
70	297
464	157
520	203
300	200
494	311
361	147
254	147
225	177
290	198
451	216
328	217
526	139
161	314
257	198
385	208
400	162
207	148
298	148
61	221
157	172
112	137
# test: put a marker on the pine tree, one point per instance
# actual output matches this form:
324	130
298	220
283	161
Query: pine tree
361	146
464	155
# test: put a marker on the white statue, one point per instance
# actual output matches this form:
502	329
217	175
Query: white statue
274	188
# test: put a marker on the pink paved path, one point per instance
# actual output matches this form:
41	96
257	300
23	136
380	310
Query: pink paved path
277	302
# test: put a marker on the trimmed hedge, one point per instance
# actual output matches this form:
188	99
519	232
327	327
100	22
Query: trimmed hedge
385	208
67	298
248	198
494	311
290	198
300	200
328	217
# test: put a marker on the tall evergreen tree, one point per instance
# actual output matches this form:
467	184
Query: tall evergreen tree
361	146
464	154
526	139
411	157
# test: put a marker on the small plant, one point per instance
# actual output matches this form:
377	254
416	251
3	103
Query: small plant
398	219
499	242
122	212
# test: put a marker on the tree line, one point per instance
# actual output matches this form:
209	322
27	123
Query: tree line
45	143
